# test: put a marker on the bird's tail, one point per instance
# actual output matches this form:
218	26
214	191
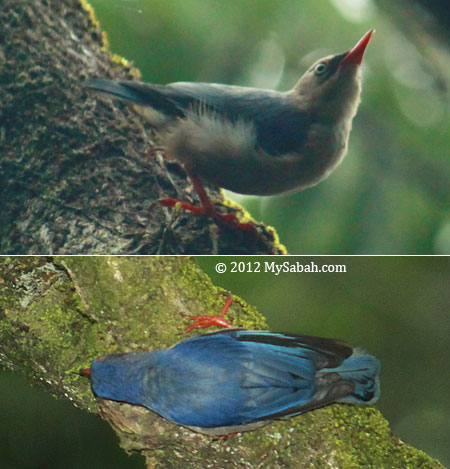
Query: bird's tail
362	371
121	90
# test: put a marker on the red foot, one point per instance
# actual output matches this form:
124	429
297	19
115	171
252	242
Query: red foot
231	219
206	208
210	211
171	202
219	320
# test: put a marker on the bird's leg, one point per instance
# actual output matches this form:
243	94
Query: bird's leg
206	207
210	210
218	320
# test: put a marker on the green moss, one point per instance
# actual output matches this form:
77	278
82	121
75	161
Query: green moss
90	11
245	217
103	38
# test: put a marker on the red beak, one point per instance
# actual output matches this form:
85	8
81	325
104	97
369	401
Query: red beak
85	372
355	56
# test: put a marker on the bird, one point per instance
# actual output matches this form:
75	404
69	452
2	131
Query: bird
248	140
237	380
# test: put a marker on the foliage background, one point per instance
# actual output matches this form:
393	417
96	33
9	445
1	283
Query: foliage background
390	195
396	308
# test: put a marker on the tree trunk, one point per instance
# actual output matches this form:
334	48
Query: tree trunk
58	314
74	175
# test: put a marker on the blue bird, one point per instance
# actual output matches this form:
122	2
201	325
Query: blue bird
248	140
237	380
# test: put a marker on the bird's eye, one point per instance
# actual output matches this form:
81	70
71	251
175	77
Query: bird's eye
320	68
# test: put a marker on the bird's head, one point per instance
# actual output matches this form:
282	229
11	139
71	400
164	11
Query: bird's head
330	89
119	376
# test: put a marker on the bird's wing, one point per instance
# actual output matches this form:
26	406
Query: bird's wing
258	375
333	352
283	375
140	93
279	125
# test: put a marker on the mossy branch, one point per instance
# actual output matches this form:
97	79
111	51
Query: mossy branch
58	314
74	175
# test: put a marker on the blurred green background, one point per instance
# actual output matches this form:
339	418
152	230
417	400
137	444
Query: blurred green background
391	194
396	308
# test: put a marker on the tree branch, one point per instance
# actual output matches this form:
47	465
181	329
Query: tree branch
74	177
58	314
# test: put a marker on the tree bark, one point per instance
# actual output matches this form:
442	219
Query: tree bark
58	314
74	176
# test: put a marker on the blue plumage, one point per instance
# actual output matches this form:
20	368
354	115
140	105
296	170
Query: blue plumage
236	380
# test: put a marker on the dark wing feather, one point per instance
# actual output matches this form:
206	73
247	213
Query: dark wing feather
333	351
335	394
140	93
280	126
325	353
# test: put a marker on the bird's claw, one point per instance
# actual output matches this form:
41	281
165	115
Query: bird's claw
171	202
229	220
203	321
233	220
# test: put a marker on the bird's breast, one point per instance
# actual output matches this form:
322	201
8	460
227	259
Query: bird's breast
326	146
227	154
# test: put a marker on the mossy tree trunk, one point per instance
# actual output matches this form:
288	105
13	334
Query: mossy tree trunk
74	175
58	314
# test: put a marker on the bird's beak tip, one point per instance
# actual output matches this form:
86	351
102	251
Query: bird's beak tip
85	372
356	55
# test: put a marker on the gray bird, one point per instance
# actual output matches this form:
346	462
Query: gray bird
249	140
